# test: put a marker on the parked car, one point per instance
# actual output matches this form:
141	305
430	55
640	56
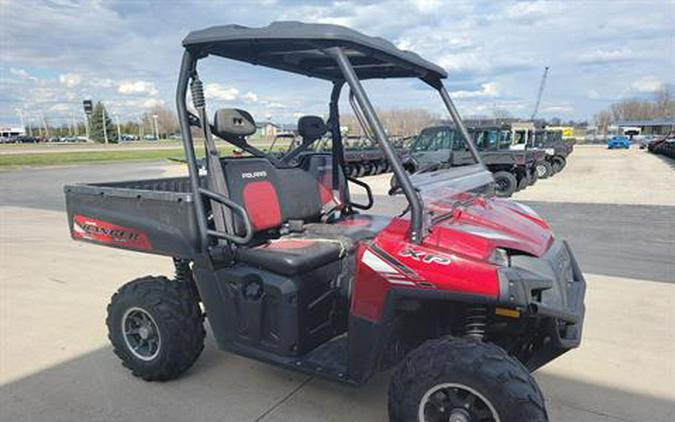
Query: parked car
619	141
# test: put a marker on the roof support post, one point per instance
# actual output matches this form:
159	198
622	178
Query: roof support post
336	136
456	118
416	209
187	66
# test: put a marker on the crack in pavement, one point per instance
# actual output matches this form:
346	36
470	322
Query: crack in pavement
283	400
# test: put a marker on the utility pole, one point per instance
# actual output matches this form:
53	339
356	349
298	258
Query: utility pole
44	123
86	125
154	119
23	123
119	132
105	129
72	124
141	124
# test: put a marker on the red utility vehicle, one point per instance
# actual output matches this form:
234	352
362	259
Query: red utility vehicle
463	292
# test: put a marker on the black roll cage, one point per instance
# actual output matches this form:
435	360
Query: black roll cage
188	71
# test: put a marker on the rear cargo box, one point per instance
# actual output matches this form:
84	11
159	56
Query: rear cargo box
154	216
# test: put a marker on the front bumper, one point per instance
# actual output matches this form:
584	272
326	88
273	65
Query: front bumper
551	287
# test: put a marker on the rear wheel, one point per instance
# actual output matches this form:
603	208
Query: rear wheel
462	380
559	163
505	183
544	169
534	176
523	182
361	169
156	327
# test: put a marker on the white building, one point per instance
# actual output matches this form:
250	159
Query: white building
9	131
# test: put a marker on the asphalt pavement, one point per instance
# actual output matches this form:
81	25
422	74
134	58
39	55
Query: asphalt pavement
56	364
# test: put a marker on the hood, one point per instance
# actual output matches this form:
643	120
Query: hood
477	229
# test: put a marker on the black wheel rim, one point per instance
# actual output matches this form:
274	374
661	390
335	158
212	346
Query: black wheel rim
141	334
502	185
455	403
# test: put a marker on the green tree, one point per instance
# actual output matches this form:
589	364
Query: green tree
97	122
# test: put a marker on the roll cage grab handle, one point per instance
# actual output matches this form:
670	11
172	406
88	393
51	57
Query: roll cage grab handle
188	67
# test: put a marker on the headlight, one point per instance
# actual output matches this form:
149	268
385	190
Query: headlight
500	257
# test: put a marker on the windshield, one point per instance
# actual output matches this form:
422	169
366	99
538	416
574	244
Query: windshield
433	139
444	190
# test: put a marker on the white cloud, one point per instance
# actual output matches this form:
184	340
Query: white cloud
477	41
530	10
137	88
152	102
275	105
600	56
648	84
592	94
488	89
22	74
558	109
102	82
216	91
60	108
249	97
70	80
426	6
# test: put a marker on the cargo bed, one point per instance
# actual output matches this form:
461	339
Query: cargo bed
155	216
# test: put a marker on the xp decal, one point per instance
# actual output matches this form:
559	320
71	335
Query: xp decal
424	257
104	232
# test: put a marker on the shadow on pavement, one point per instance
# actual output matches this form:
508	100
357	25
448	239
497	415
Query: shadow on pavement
224	387
667	160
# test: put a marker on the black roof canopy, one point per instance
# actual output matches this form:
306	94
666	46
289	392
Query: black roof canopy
297	47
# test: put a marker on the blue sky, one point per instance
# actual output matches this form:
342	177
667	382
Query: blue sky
126	53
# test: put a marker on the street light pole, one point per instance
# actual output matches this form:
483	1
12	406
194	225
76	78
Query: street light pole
154	119
86	125
119	132
141	124
105	129
23	123
44	123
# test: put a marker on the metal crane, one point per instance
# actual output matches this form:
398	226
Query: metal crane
540	93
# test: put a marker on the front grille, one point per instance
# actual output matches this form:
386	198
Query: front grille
563	263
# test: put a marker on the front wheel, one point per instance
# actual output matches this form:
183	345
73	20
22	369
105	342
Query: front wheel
156	327
506	184
544	169
463	380
559	163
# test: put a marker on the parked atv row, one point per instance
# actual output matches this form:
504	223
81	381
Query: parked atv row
663	146
513	168
362	156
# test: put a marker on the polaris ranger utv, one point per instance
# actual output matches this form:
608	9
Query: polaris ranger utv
549	141
465	294
443	146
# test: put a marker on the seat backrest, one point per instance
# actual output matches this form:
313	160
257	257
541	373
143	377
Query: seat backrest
320	166
270	195
311	127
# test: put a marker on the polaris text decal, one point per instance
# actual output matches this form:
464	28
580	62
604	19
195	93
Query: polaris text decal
104	232
427	258
254	175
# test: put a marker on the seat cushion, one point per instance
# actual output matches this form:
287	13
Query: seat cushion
290	256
